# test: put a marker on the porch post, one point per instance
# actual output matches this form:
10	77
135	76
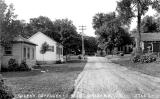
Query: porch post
152	46
142	46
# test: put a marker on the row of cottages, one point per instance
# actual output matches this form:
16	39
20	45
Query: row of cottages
29	50
150	42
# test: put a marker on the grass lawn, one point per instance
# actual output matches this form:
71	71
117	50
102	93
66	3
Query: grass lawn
152	69
57	81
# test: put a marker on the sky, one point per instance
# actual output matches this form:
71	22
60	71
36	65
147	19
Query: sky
81	12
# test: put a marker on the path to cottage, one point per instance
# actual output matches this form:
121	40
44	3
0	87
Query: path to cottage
102	79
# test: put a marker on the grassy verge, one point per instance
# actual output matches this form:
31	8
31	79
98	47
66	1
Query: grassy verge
47	82
152	69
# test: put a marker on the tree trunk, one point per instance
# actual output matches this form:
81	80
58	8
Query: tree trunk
0	56
43	59
138	38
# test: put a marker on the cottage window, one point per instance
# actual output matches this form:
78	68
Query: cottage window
24	52
32	53
51	48
8	50
28	54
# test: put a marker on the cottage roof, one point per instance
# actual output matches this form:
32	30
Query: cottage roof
20	39
45	36
149	36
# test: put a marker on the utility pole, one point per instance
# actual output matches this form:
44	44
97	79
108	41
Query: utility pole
82	28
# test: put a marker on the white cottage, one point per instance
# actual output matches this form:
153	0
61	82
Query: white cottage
53	54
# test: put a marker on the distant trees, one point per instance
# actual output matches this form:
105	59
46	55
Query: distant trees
90	45
149	24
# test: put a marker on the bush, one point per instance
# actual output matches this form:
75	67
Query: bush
4	69
12	65
5	91
37	67
147	58
58	62
23	66
38	63
79	57
135	59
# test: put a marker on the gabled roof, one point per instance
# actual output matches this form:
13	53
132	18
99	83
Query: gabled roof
20	39
45	36
149	36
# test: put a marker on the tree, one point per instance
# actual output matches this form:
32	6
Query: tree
68	36
110	32
127	9
158	23
3	8
8	25
42	24
100	18
44	49
113	35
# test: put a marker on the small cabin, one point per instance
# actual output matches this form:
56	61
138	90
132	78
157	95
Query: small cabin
20	49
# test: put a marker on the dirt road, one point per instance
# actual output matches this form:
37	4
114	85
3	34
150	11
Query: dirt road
102	79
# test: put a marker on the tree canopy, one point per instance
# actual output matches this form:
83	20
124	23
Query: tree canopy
7	23
149	25
110	31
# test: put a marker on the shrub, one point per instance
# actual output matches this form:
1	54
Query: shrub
12	65
58	62
135	59
79	57
37	67
4	69
5	91
38	63
23	66
147	58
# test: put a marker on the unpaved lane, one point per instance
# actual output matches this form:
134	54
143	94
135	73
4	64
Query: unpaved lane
102	79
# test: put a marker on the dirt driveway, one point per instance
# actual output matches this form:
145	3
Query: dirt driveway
102	79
